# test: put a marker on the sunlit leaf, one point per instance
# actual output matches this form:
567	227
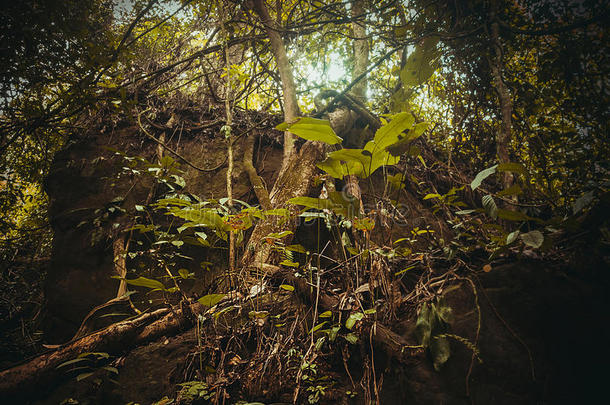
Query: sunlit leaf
211	299
145	282
482	175
312	129
352	319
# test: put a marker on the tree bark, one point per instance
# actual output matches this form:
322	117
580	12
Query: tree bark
293	182
361	61
298	168
114	340
361	50
503	136
255	180
291	107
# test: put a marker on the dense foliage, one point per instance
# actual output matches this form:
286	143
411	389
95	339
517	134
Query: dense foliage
491	115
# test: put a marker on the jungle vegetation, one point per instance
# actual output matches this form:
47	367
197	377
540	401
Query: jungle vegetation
423	143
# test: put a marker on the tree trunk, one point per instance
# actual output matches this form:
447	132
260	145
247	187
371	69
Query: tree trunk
361	61
114	340
293	182
298	168
503	137
291	107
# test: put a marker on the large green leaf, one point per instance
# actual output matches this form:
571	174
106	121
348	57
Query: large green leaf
145	282
310	202
420	64
392	132
490	206
312	129
211	299
352	319
533	239
207	217
353	161
332	166
482	175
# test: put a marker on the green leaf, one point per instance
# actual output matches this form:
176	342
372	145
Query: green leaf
312	129
317	327
206	217
111	369
392	132
287	287
533	239
144	282
582	202
296	248
73	361
82	376
398	273
211	299
351	338
332	166
423	325
258	314
482	175
490	206
420	64
353	318
310	202
325	314
429	196
289	263
512	237
184	273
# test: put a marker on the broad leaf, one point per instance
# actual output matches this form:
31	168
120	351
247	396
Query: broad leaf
312	129
482	175
353	318
533	239
211	299
145	282
490	206
310	202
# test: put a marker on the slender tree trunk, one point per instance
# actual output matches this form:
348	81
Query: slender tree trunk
291	107
255	180
361	50
119	252
298	168
503	136
361	61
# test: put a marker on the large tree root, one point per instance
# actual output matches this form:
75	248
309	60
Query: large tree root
114	340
